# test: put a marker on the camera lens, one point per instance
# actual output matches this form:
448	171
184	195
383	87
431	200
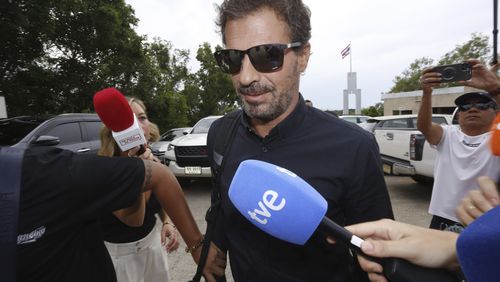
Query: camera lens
448	73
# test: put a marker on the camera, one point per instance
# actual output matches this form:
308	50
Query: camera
454	72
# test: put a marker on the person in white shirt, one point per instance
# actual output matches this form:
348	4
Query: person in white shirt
463	152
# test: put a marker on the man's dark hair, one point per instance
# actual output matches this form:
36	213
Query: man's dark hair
293	12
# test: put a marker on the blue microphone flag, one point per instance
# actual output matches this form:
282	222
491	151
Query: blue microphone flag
271	197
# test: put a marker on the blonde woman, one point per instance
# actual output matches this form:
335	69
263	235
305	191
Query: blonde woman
136	242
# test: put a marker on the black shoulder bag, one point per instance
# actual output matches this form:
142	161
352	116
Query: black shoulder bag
10	190
223	140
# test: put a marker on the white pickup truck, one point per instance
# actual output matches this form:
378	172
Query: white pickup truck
403	148
187	156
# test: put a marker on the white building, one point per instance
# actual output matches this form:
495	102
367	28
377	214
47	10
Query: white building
409	102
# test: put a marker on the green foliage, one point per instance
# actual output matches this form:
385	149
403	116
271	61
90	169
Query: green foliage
56	54
159	81
374	111
409	79
210	91
476	47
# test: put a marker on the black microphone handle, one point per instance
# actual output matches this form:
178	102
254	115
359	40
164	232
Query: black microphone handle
141	151
395	269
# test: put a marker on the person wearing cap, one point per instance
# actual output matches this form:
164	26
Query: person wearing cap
463	152
476	204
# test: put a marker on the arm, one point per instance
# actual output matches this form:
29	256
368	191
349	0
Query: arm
432	132
134	215
478	201
366	198
163	183
421	246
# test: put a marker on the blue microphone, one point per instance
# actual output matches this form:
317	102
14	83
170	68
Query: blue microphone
282	204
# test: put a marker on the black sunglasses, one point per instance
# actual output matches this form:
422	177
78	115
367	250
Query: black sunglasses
264	58
479	106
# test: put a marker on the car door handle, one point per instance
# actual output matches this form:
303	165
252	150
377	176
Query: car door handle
389	136
83	150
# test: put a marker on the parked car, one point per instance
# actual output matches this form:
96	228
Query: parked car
369	124
160	147
76	132
354	118
403	148
187	156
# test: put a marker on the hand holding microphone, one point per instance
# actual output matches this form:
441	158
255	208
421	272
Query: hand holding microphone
283	205
115	112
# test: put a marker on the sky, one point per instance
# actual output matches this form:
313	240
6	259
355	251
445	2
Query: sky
386	36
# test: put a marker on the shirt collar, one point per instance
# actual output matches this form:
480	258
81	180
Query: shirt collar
288	125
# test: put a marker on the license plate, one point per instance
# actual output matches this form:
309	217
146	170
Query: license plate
192	169
386	168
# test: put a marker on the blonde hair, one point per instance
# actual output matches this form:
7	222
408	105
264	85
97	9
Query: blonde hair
154	132
109	148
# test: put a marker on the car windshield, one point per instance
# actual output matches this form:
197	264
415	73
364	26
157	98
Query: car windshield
203	125
368	125
12	130
172	134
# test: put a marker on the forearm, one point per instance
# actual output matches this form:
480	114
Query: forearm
170	196
163	216
432	132
421	246
424	119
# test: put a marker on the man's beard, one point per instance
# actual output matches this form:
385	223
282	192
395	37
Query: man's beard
266	112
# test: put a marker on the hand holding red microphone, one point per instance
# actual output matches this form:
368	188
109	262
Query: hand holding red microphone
115	112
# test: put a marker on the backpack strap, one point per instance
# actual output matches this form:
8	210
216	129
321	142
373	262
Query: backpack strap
10	190
224	136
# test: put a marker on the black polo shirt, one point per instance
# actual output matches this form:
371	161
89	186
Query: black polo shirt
62	195
339	159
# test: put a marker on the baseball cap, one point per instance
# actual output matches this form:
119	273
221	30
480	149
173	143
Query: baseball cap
465	98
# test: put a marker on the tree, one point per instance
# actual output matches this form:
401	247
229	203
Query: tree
409	79
374	111
476	47
56	54
210	91
160	81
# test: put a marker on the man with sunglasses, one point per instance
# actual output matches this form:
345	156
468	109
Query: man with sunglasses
463	152
267	50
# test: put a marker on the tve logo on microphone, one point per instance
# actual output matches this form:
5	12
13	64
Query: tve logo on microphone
268	203
270	197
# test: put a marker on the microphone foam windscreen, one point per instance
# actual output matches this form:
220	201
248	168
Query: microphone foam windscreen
113	109
495	136
277	201
478	248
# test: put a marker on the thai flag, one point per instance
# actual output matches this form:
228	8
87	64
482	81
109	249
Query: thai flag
346	51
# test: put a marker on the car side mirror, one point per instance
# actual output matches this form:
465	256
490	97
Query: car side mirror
46	140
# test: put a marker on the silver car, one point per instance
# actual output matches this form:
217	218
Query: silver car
160	147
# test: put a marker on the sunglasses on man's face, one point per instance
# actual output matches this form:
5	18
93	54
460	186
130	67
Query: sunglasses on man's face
479	106
264	58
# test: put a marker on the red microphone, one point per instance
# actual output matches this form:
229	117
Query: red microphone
115	112
495	136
